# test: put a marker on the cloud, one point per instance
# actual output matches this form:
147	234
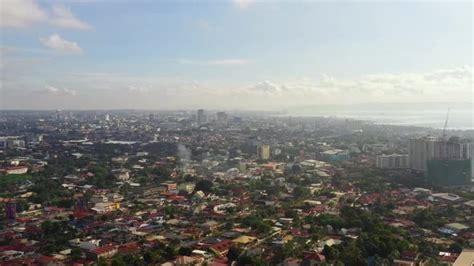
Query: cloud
218	62
26	13
20	13
242	3
446	85
266	87
138	89
64	18
59	91
55	42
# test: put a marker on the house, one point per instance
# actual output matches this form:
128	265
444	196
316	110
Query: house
187	261
105	207
313	258
122	174
209	226
47	261
335	155
221	248
102	252
99	198
407	258
456	227
244	240
465	258
128	248
15	170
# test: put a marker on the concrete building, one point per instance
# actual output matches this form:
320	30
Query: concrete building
392	161
420	151
449	172
201	116
335	155
222	118
15	170
465	258
263	151
11	142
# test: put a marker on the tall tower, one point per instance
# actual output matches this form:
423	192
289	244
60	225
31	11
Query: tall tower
201	116
263	151
420	151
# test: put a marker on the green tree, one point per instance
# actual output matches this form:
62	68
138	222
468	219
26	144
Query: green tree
149	257
185	251
102	262
204	185
118	261
75	254
234	253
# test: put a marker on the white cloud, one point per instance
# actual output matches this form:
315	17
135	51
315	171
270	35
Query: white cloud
138	89
217	62
55	42
242	3
448	85
26	13
20	13
439	85
64	18
266	87
60	91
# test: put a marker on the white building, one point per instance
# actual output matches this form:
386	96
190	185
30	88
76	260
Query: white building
420	151
392	161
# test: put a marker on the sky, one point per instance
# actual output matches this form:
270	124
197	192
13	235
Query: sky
233	54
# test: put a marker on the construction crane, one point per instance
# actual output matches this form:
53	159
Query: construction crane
446	124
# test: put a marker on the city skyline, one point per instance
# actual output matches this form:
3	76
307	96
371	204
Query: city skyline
253	55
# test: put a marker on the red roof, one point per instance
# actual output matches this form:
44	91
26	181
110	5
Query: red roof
222	246
220	261
314	256
129	247
102	250
45	259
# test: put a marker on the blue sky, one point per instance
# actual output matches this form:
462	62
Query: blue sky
218	54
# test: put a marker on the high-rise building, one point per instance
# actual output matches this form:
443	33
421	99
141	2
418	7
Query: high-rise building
221	117
467	150
201	116
448	149
420	151
426	152
392	161
263	151
151	117
450	172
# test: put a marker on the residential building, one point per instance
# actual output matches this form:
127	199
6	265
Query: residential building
201	116
263	151
392	161
420	151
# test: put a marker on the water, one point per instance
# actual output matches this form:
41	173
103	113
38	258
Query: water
459	118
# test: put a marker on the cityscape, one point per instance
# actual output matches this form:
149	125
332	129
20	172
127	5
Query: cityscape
236	133
215	188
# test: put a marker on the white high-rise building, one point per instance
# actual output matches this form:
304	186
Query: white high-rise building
420	151
392	161
263	151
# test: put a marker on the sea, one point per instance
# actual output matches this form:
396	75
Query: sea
459	118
